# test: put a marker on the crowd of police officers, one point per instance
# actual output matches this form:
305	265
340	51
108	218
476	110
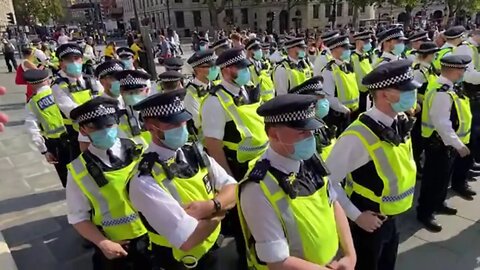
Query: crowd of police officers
306	158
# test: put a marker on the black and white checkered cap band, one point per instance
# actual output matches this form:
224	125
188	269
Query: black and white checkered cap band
39	81
130	80
204	60
338	44
111	69
291	116
69	50
253	44
449	65
407	76
171	79
362	37
125	53
234	60
419	38
330	37
300	42
223	44
453	37
317	87
392	36
164	110
99	112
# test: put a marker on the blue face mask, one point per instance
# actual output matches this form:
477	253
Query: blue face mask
406	102
367	47
460	80
322	107
128	63
175	137
304	149
346	55
258	55
301	54
115	88
398	49
203	48
131	100
243	77
213	72
104	138
74	69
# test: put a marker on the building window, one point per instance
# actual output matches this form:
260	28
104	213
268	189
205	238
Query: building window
328	10
178	1
195	1
197	18
339	9
316	13
180	20
362	10
244	16
350	9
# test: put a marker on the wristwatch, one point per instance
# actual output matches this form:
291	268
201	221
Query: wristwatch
217	205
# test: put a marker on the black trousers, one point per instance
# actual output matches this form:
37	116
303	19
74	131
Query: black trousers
475	137
10	61
162	259
362	104
377	250
437	173
61	150
461	166
138	258
417	142
72	140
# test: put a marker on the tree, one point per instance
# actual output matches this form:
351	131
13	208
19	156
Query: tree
213	10
453	6
357	4
29	12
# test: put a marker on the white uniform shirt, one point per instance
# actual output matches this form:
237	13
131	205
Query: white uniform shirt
276	57
63	99
280	78
349	154
63	39
389	56
418	76
320	62
471	75
440	116
41	56
161	210
32	125
214	117
78	204
329	89
192	105
270	241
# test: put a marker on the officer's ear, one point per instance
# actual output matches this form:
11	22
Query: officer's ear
83	130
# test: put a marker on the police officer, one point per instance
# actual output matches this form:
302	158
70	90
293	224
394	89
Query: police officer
180	192
126	56
415	40
324	135
361	62
98	207
392	45
259	76
40	58
173	63
375	156
446	125
203	44
234	132
170	80
425	74
325	55
267	65
133	89
44	122
291	71
205	72
340	85
72	88
287	189
454	37
220	46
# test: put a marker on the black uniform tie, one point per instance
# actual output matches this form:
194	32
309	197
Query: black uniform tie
114	161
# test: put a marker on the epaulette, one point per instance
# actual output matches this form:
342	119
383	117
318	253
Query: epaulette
60	80
329	65
259	171
146	164
416	66
324	52
444	88
91	83
214	89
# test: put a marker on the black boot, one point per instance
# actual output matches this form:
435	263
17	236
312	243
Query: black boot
430	223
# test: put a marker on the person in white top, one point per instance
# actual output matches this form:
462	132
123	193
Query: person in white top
63	39
446	154
416	39
284	78
41	58
174	210
89	50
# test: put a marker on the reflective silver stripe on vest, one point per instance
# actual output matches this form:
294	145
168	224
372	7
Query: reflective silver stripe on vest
44	123
157	170
291	228
92	188
382	161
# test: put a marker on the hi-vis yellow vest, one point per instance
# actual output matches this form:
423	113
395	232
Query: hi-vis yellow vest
112	210
430	77
475	55
395	167
262	78
295	75
345	86
185	191
308	222
440	55
78	94
130	126
250	125
361	68
461	107
48	114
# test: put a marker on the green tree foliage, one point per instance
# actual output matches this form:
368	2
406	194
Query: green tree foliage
29	12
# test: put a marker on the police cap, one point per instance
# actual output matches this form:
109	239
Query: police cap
123	52
454	32
167	107
312	86
108	68
100	111
68	49
397	75
170	76
233	57
173	63
455	61
199	58
392	33
36	76
132	79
